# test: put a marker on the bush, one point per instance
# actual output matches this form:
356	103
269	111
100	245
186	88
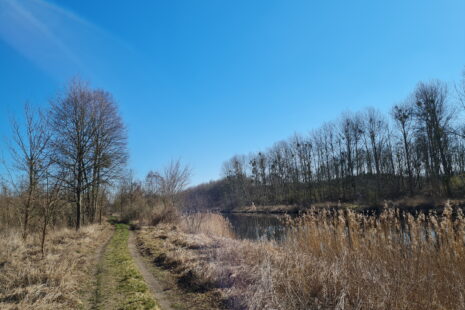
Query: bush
164	214
207	223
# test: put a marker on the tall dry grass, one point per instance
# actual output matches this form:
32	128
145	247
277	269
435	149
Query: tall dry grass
329	260
57	280
212	224
344	260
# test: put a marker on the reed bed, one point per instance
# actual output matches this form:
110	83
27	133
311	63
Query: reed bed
345	260
328	260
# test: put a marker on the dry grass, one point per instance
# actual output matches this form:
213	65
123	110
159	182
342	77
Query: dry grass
344	260
55	281
162	214
208	267
267	209
211	224
330	260
184	257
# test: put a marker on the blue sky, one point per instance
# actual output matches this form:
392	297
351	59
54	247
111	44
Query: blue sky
204	80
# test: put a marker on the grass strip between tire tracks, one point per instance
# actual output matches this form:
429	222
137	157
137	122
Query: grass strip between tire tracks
120	284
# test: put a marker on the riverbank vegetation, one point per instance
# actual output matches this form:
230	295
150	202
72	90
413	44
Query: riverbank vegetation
174	250
329	260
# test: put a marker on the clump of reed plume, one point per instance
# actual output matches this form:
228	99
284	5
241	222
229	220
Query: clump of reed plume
347	260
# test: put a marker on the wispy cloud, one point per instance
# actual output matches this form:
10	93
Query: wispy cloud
55	39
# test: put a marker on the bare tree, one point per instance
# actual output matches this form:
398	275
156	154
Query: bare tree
460	89
89	142
109	152
29	152
375	126
128	187
234	171
8	213
403	117
49	204
71	120
171	181
433	121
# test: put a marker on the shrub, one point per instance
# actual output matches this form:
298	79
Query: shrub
164	214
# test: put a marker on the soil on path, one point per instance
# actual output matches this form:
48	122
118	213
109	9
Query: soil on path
154	285
126	279
176	283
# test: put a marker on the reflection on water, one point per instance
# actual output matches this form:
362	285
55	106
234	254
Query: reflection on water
257	226
271	227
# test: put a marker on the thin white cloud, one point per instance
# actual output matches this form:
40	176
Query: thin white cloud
55	39
83	22
32	37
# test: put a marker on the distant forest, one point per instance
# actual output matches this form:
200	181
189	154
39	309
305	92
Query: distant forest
418	149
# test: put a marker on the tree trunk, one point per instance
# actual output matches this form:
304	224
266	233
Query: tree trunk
100	216
78	210
44	232
26	213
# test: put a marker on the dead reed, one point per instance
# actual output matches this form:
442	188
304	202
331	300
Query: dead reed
345	260
207	223
329	260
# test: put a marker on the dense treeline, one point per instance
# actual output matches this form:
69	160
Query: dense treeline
65	157
215	195
418	148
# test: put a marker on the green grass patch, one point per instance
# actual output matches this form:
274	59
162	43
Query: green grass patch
112	219
120	283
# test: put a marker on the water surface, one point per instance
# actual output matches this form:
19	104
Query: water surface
257	226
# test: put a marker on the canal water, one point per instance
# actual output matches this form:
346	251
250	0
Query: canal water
257	226
261	226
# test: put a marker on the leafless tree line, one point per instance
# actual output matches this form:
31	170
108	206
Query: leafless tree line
366	156
64	158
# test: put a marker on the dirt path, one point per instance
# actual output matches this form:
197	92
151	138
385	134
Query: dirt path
119	283
155	287
90	292
98	270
